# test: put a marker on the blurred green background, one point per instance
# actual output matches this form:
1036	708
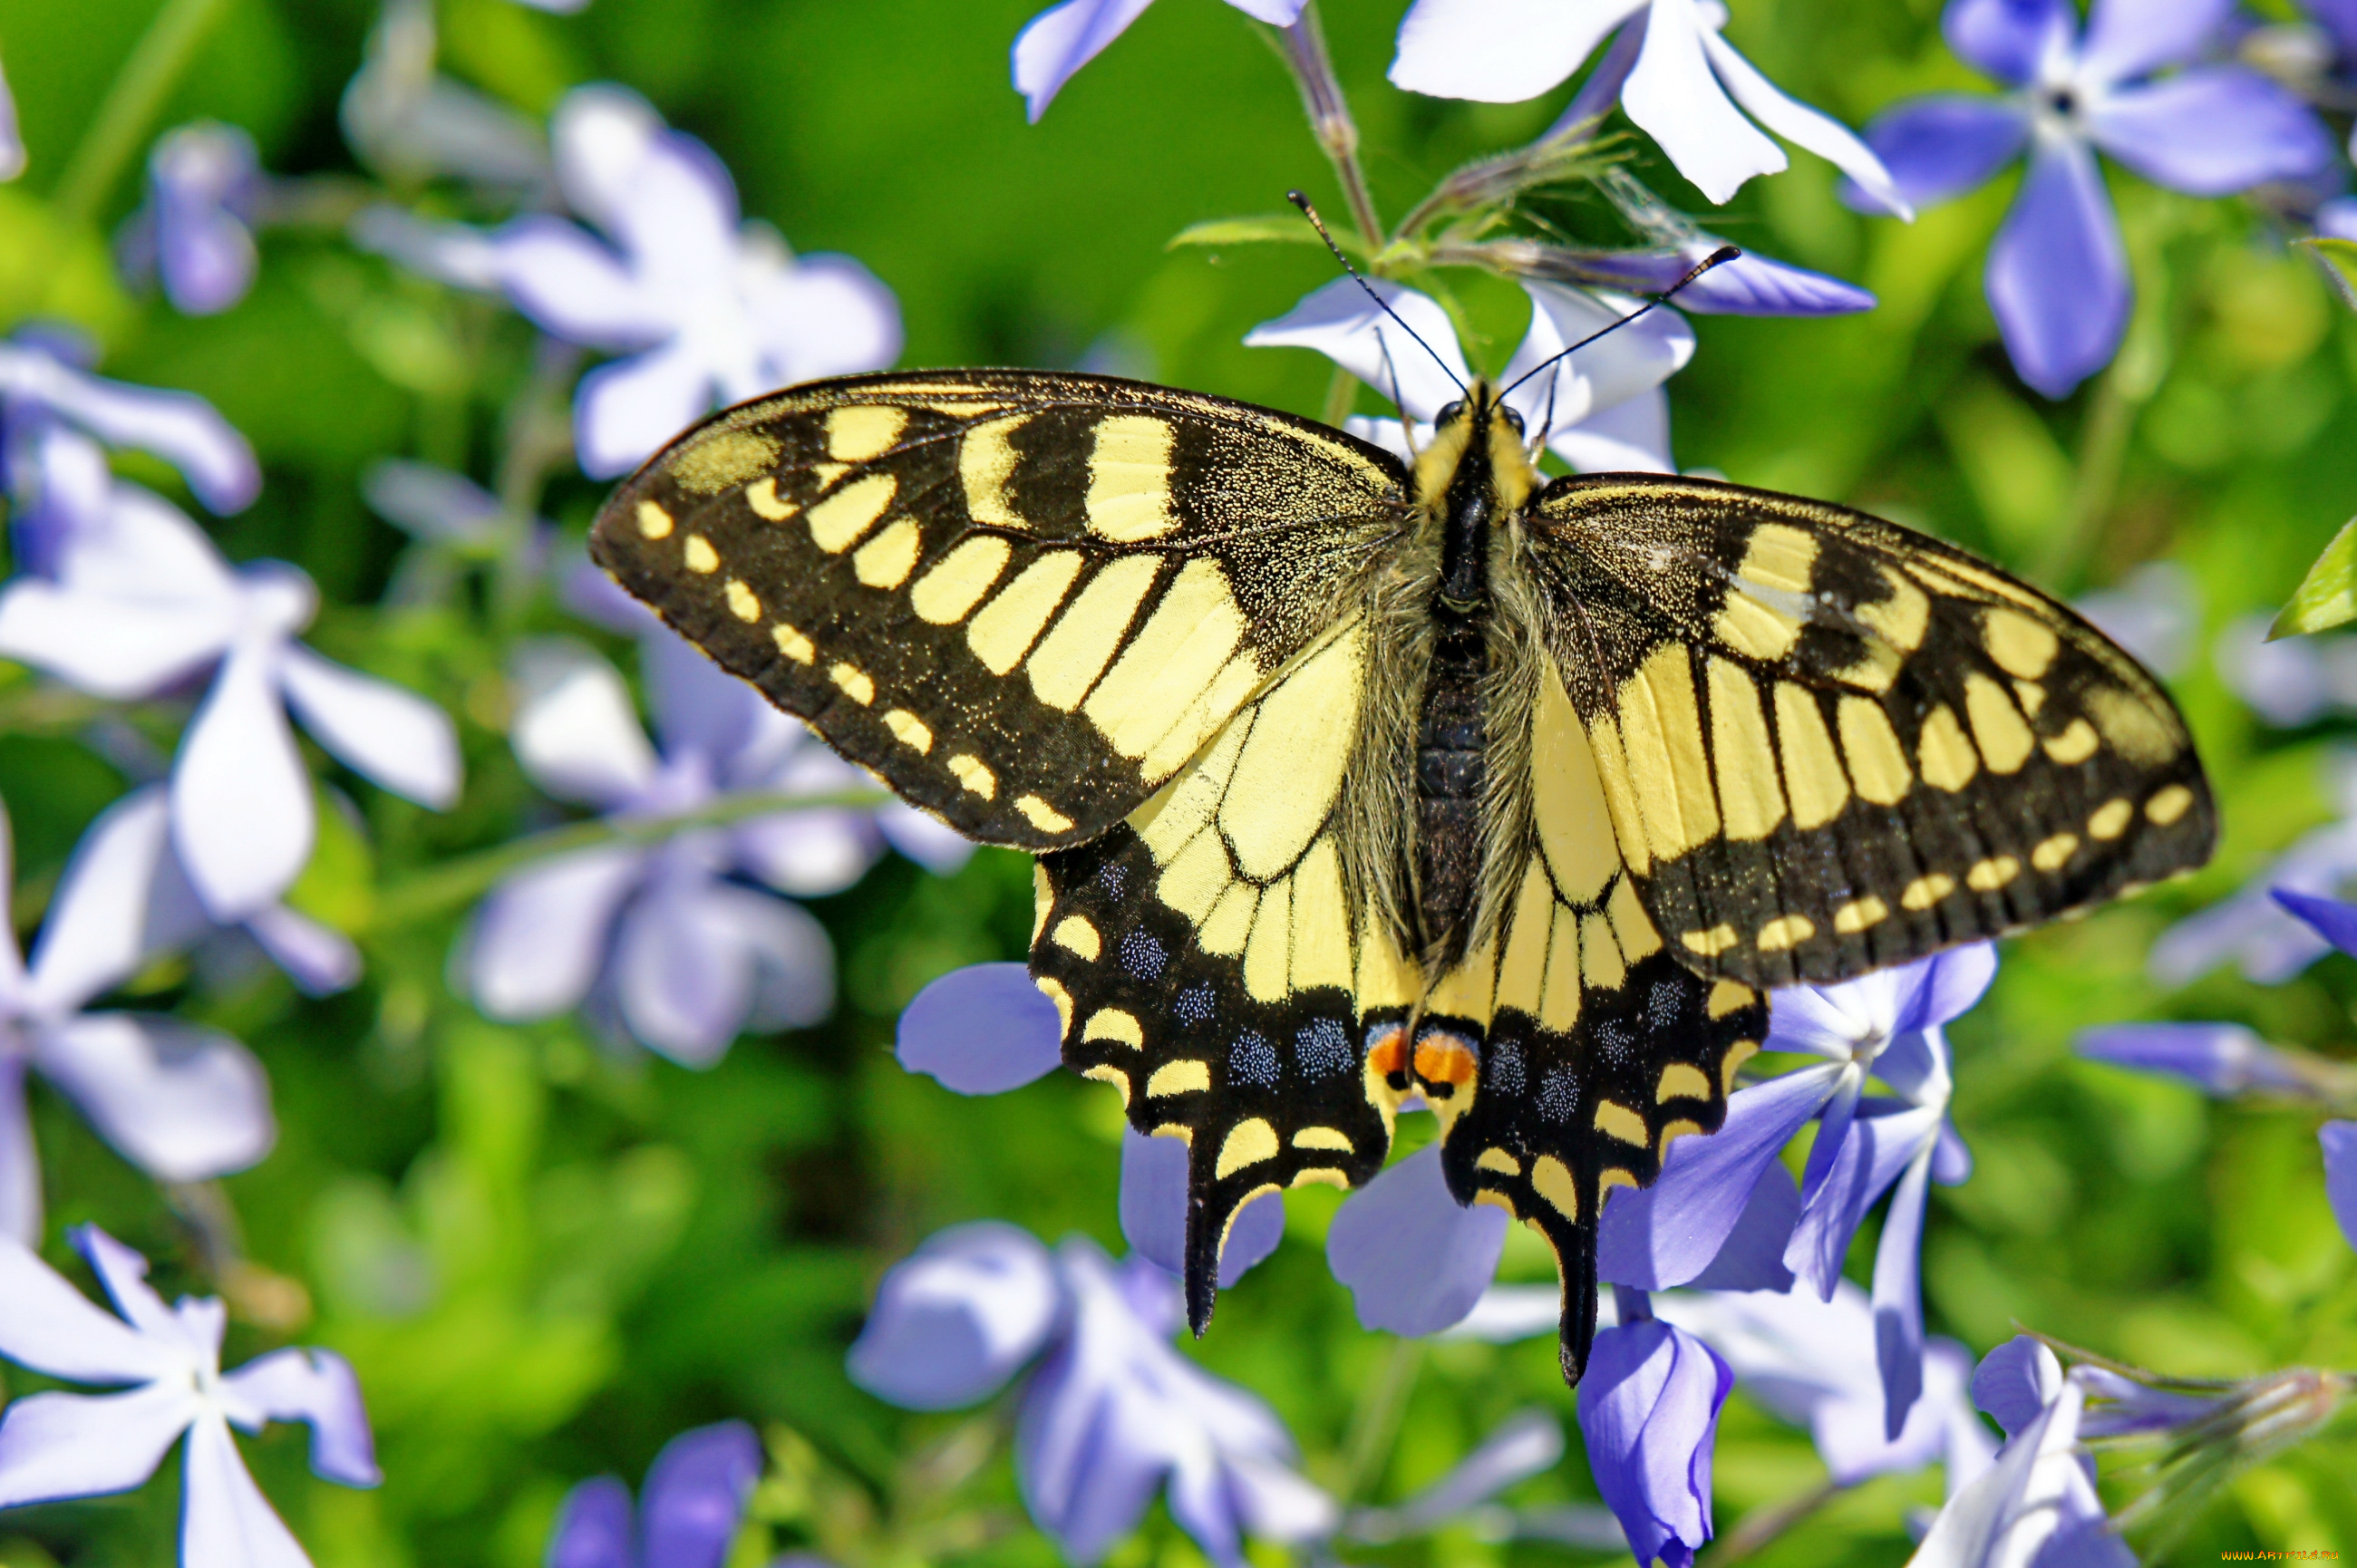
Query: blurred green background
545	1260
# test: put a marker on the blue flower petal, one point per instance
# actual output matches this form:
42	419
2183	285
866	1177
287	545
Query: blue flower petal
958	1318
2007	38
2223	1060
1667	1234
593	1527
1899	1297
696	1495
1879	1146
2057	277
2339	1141
1154	1210
2009	1384
1936	148
1753	1255
2334	919
1059	40
1415	1257
2127	38
984	1029
2212	131
1648	1409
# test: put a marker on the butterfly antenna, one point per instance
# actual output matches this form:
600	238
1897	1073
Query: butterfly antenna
1719	257
1318	223
1407	425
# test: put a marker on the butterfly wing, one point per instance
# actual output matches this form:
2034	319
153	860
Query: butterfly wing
1831	745
1025	599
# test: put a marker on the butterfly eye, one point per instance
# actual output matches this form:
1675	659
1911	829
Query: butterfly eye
1450	414
1512	418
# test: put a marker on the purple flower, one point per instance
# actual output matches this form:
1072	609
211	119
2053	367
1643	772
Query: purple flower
1059	40
1888	1026
1416	1261
1527	1444
1748	285
1109	1415
662	940
142	605
412	124
168	1359
1649	1408
2268	943
703	308
2221	1059
180	1100
455	524
987	1029
2036	1501
57	421
2339	1142
2057	277
1679	80
2289	682
696	1495
1804	1359
1602	410
204	182
2154	612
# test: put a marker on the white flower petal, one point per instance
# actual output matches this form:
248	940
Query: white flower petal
100	928
146	548
1625	362
600	136
81	1446
1633	437
52	1327
108	647
319	960
1675	97
825	316
20	1165
1802	125
624	412
382	732
1059	40
538	941
314	1386
572	285
225	1521
1500	51
180	1101
1344	324
575	730
240	798
179	427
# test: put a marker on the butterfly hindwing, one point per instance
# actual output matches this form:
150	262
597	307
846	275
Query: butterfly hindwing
1025	599
1201	957
1832	745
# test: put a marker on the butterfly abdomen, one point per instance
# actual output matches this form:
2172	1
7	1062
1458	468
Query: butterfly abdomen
1450	782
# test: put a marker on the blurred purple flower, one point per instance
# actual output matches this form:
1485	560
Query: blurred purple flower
2036	1503
144	605
2292	681
1416	1261
454	524
2340	1143
2267	944
1802	1359
195	233
2336	219
1887	1026
1059	40
1112	1413
1602	410
180	1100
696	1495
2154	612
57	421
1527	1444
2058	276
1678	79
1154	1211
1649	1408
410	123
661	941
2221	1059
58	1445
703	308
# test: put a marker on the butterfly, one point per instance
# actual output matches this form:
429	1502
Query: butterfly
1354	781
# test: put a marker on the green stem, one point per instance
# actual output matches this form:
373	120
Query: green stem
1341	393
1329	119
131	103
1761	1526
1375	1423
456	883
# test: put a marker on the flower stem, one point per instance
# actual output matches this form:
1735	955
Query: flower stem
1763	1526
458	882
1375	1423
1329	119
132	102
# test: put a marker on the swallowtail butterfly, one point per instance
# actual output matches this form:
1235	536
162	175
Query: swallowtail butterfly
1351	780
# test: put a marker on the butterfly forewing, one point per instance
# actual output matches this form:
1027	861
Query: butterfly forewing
1024	599
1831	745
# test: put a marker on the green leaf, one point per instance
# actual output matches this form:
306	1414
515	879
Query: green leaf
2326	596
1276	228
338	887
2338	260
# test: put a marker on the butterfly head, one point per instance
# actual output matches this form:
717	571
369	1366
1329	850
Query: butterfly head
1477	443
